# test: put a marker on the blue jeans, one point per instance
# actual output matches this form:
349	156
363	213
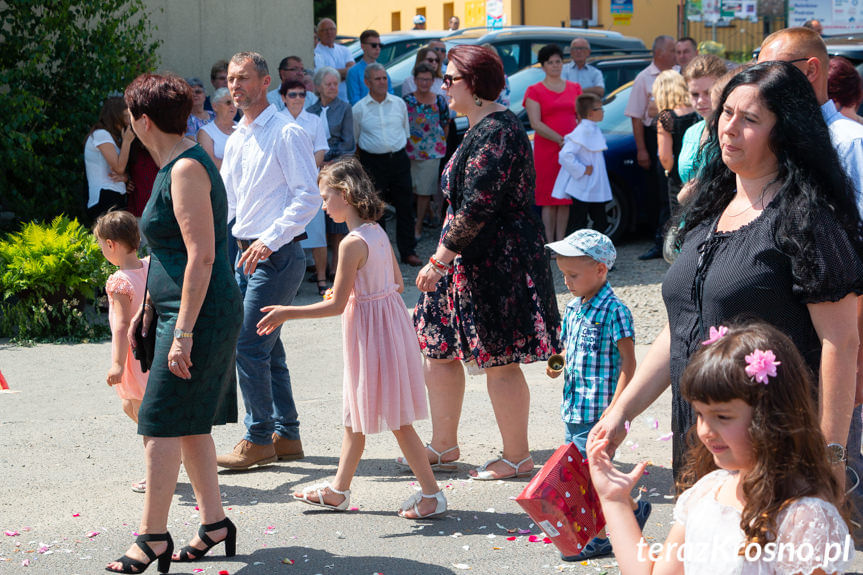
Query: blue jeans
577	433
264	378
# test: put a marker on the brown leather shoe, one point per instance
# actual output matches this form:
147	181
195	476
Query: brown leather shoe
247	454
413	260
287	449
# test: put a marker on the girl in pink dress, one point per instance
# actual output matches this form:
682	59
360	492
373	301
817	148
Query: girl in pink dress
383	382
118	236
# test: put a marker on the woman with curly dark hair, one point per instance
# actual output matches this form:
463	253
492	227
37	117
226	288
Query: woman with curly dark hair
488	295
761	496
772	232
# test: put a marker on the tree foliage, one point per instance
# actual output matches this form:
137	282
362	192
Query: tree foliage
59	59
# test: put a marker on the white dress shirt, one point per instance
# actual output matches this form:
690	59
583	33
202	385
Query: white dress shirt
847	137
587	77
270	179
314	126
381	127
338	57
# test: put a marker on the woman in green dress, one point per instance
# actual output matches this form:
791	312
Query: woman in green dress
199	314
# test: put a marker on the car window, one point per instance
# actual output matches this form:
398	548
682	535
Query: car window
615	122
509	54
535	47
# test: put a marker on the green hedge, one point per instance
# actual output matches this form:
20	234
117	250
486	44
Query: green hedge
48	273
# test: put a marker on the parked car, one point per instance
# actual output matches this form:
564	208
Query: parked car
394	45
518	47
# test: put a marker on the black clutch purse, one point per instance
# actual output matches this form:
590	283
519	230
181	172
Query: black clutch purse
145	347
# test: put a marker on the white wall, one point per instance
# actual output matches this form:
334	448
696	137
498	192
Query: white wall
196	33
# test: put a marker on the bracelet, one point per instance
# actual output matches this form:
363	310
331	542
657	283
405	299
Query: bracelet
439	272
438	265
148	307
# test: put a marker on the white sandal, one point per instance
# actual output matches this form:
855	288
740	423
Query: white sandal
440	465
483	474
413	503
318	490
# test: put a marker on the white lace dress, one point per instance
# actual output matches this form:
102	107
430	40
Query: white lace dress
811	535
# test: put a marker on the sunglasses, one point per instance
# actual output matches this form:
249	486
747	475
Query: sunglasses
449	80
435	60
293	95
441	50
373	44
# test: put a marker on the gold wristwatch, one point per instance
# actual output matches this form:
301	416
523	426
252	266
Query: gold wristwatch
180	334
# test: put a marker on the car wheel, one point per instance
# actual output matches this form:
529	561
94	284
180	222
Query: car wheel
619	214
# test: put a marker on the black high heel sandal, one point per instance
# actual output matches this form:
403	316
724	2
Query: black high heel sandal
164	559
190	553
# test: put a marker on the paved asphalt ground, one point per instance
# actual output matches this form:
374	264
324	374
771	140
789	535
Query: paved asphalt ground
69	454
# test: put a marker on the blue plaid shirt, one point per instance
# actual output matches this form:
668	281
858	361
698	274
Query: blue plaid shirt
590	334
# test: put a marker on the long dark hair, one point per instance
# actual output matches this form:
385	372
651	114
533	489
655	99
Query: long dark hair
810	176
112	118
789	448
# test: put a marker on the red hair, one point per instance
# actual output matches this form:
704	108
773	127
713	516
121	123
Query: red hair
481	68
843	83
167	101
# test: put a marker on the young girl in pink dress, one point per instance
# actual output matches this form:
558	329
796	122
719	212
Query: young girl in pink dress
383	381
118	236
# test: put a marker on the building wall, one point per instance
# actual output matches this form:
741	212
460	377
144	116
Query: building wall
196	33
649	19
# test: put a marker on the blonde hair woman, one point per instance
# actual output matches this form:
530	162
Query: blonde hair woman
677	113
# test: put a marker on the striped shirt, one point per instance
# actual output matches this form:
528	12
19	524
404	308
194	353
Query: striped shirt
590	334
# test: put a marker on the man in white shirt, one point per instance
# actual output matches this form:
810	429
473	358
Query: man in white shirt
270	180
642	110
454	23
579	71
290	68
328	53
381	129
805	48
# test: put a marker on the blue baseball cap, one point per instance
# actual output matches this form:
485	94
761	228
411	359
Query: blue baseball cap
589	243
419	19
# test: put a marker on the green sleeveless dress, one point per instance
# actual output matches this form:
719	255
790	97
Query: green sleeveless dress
174	407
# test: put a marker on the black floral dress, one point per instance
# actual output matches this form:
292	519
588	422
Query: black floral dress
497	304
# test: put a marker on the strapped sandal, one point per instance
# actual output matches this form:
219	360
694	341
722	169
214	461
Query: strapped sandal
413	503
164	559
440	465
318	490
483	474
190	553
140	486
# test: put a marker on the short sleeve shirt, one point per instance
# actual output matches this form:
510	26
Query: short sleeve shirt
591	331
587	77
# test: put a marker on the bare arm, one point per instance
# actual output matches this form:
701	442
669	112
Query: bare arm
121	314
665	145
209	146
648	383
638	132
117	162
397	272
836	325
319	158
353	254
534	114
190	188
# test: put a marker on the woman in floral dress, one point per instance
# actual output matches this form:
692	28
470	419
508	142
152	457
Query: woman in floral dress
429	119
488	296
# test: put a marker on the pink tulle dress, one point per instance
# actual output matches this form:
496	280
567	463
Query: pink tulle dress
130	284
384	387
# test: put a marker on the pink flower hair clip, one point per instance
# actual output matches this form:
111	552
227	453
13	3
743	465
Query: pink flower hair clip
760	365
716	333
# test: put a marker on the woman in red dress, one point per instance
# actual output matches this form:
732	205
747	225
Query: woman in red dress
550	106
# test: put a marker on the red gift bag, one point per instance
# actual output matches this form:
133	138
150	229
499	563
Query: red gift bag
562	501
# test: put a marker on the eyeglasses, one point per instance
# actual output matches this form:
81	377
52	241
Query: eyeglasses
435	60
373	44
797	60
449	80
293	95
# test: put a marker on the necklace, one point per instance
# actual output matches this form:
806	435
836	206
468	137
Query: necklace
174	149
750	206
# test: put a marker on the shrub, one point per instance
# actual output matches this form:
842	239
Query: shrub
47	275
59	59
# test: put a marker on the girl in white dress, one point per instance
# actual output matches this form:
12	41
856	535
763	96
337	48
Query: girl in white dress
762	496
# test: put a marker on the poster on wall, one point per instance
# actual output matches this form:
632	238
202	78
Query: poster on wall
621	12
494	16
836	16
711	11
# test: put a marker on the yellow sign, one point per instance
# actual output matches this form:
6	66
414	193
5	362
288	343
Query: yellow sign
622	19
474	13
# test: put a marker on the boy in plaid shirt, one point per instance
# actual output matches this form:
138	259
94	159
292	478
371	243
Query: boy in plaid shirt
598	336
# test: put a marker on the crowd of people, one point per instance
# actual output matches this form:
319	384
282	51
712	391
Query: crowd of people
758	171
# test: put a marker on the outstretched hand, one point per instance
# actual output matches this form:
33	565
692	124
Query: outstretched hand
610	483
276	316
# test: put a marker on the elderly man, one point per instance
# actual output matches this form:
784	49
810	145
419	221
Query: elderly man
290	68
381	129
642	110
805	48
579	71
454	23
270	179
328	53
686	49
370	42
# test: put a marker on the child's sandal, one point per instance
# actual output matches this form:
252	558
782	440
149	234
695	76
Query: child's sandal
318	491
413	503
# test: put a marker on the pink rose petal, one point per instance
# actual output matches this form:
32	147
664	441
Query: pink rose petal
524	531
511	538
76	515
665	437
25	563
92	534
533	539
626	426
12	533
546	540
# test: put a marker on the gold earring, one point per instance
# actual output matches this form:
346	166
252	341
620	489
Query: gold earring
477	101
